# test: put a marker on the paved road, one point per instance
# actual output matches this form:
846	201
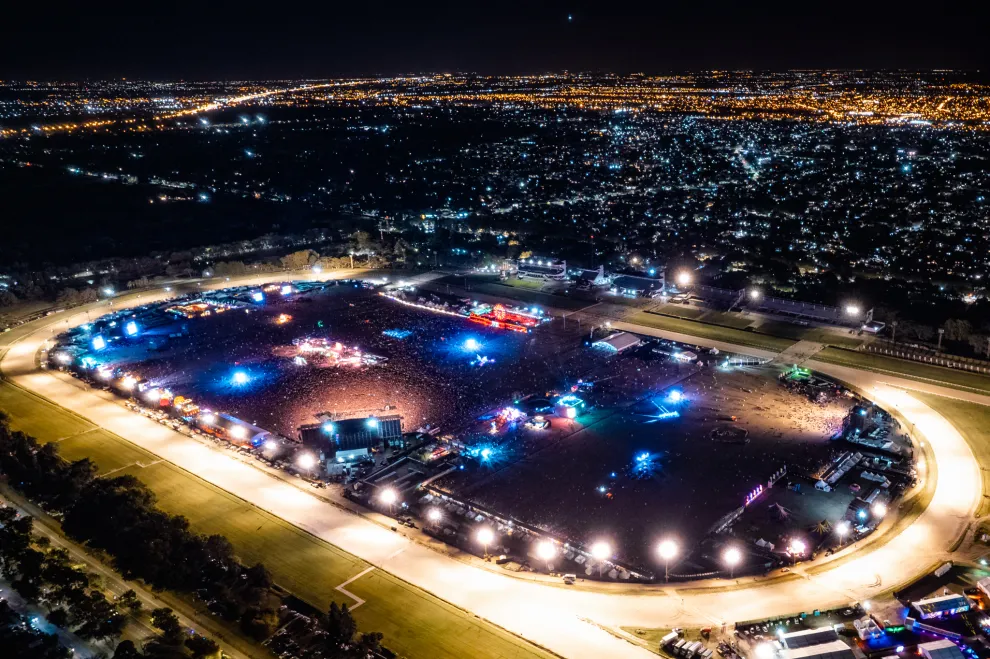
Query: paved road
138	629
571	621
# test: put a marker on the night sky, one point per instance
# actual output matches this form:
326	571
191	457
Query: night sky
260	40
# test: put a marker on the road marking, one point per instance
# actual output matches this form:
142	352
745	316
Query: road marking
358	601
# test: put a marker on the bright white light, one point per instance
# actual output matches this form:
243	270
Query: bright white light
866	605
683	278
879	509
389	496
601	550
128	382
238	432
667	549
108	291
732	556
472	344
240	377
63	358
371	423
306	461
434	515
546	550
797	546
852	309
842	528
674	396
99	343
271	445
755	294
485	536
131	328
570	412
764	651
286	290
209	418
258	296
317	269
328	428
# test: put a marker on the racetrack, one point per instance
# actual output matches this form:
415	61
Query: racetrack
568	621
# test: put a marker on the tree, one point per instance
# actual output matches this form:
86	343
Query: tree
258	623
300	259
127	650
58	617
340	626
129	600
165	620
200	646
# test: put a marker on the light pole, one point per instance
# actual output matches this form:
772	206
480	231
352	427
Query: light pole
601	551
546	551
732	556
485	537
842	530
941	331
434	515
389	496
667	550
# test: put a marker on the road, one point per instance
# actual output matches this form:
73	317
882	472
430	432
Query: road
138	629
574	622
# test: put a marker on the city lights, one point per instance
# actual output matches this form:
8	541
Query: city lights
434	515
879	509
306	461
684	278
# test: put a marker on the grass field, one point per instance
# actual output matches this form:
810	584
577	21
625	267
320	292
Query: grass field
973	423
415	623
714	332
903	367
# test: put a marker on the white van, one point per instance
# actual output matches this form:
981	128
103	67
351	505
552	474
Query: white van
569	579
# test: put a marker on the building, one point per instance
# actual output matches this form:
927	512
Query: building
941	607
545	269
632	286
940	649
618	342
338	437
821	643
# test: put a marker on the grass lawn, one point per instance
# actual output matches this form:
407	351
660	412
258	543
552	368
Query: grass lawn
714	332
973	423
415	623
905	368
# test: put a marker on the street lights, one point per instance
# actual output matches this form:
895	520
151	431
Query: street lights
732	556
842	530
755	294
667	550
485	537
879	509
389	496
852	309
601	551
306	461
434	515
683	278
546	551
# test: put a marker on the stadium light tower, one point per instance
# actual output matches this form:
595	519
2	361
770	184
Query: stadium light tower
389	496
485	537
601	551
684	278
434	515
547	551
667	550
732	556
852	309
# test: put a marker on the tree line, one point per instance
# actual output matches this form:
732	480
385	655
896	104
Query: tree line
119	516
